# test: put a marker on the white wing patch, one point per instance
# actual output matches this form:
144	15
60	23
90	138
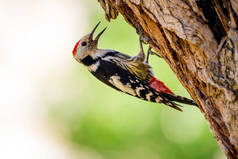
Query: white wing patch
138	90
148	96
115	81
157	100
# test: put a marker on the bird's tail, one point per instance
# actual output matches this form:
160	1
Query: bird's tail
169	98
179	99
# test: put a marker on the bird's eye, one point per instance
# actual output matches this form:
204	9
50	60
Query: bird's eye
83	43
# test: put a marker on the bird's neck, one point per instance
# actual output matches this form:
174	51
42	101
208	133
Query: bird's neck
91	61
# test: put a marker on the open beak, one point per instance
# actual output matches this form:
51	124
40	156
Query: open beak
95	41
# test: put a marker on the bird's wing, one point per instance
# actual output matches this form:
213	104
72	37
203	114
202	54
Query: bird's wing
140	69
102	79
134	65
139	89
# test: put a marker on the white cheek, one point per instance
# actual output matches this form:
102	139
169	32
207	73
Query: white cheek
79	54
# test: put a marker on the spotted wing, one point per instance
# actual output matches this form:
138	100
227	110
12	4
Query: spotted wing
115	74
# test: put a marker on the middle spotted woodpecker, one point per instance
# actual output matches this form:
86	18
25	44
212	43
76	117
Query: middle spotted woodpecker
131	75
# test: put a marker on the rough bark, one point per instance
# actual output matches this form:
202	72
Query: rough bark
199	41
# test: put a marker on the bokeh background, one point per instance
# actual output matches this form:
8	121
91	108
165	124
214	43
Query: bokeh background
52	107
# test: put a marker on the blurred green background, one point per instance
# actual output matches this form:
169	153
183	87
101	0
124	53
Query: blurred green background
111	125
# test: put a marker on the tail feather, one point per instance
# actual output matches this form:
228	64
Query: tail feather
179	99
173	105
169	98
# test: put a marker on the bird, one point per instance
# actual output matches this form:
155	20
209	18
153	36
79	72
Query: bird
129	74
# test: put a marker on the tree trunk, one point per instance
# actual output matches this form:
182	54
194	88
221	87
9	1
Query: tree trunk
199	41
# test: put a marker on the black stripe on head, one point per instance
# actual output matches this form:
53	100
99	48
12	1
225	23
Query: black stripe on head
88	60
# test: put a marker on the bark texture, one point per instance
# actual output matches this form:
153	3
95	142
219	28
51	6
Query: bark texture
199	41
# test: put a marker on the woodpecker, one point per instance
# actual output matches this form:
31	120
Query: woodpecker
131	75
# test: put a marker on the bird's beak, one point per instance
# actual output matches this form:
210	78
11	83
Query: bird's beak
95	41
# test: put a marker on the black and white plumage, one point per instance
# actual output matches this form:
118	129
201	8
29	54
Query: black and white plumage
130	75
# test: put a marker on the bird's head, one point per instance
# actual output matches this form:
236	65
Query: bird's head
86	45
